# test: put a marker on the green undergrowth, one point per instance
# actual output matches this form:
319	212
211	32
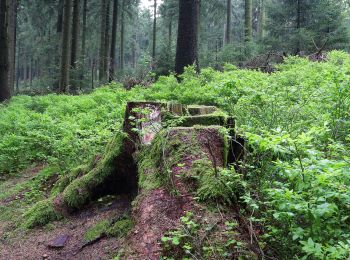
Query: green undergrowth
209	237
296	121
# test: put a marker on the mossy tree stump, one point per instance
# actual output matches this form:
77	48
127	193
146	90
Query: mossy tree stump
158	142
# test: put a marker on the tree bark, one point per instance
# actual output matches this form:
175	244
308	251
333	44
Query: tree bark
170	33
298	25
106	50
5	92
122	32
154	31
262	18
65	48
60	16
228	22
75	45
83	44
248	21
102	41
187	39
114	41
75	33
12	27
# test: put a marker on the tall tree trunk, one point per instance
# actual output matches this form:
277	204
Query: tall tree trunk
83	43
228	22
170	32
187	39
102	41
114	41
154	31
12	26
248	21
298	25
18	68
75	45
60	16
106	50
122	32
59	27
262	18
5	92
65	48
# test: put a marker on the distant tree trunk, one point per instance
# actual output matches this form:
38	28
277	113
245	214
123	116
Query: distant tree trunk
187	39
228	22
102	41
154	31
262	18
170	32
133	52
75	45
60	16
18	67
248	21
5	92
12	26
107	43
83	43
298	25
59	25
122	32
65	48
114	40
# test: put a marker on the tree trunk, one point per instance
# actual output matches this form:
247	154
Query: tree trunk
228	22
5	92
154	31
18	68
187	39
122	32
262	18
248	21
75	33
83	44
298	25
65	48
60	16
102	41
114	41
170	32
75	45
106	50
12	26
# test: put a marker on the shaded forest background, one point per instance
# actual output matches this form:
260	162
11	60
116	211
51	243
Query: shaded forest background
74	46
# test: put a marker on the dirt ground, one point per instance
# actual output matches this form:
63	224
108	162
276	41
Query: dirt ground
34	245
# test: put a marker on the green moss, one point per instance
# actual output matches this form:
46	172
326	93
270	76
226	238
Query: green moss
67	179
120	228
150	163
96	231
204	120
41	214
79	192
200	110
108	228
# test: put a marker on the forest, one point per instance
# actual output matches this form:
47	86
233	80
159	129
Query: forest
174	129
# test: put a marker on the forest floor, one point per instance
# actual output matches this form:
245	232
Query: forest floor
17	243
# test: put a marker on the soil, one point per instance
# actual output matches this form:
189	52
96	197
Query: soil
34	245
